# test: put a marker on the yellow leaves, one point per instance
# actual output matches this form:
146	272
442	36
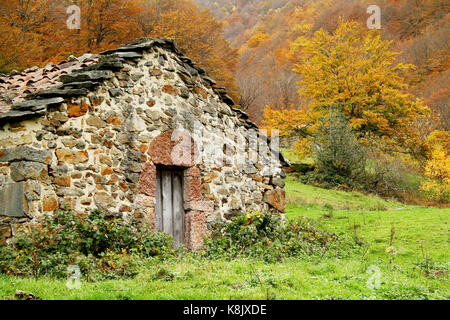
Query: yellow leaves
439	138
303	147
437	169
357	123
303	28
391	251
353	69
252	217
292	122
257	39
288	121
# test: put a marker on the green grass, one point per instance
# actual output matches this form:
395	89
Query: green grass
415	230
418	270
299	195
239	279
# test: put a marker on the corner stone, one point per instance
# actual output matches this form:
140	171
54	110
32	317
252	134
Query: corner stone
276	198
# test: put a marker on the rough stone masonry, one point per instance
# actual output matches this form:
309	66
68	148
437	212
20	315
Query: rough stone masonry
96	137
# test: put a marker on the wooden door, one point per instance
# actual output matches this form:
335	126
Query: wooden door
169	208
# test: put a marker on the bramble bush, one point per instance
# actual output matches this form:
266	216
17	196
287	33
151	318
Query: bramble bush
103	248
265	236
110	249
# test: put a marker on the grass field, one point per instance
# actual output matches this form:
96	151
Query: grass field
415	267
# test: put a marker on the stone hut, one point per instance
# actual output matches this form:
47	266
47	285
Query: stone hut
140	132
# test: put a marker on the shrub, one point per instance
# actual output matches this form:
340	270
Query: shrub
390	178
342	162
263	235
101	247
339	157
437	170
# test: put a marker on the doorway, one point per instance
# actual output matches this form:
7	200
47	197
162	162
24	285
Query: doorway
169	205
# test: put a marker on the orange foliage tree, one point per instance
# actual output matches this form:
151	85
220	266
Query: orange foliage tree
34	32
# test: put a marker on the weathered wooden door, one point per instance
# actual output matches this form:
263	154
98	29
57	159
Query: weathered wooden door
169	208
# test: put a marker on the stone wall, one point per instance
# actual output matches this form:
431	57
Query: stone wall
101	150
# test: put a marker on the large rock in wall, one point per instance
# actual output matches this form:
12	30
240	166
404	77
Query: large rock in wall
95	151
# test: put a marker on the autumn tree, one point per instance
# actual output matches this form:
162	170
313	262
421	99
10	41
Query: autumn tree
437	171
105	24
197	33
27	29
353	70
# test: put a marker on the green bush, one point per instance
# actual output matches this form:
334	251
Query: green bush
102	248
342	162
339	157
265	236
390	178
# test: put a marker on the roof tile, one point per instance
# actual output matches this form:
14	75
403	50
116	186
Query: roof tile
15	87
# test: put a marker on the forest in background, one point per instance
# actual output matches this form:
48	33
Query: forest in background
37	32
246	45
263	32
313	70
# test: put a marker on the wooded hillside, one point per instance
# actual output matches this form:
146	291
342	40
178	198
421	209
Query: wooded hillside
37	32
263	31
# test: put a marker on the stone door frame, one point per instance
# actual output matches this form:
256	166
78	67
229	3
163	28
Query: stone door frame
160	153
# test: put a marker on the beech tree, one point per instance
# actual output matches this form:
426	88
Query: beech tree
354	71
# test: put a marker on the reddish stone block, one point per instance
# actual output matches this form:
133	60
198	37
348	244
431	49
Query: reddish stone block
195	229
96	101
114	119
201	92
77	109
170	90
204	206
151	218
114	179
125	208
192	189
107	171
123	186
147	180
143	148
72	157
192	172
172	149
276	198
62	181
49	204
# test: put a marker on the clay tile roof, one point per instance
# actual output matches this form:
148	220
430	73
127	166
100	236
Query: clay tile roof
15	87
